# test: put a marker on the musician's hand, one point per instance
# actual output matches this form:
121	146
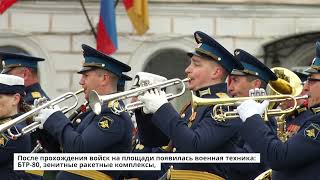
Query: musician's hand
250	107
153	100
39	101
44	114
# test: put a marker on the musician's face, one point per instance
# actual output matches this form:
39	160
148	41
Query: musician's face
8	105
313	86
91	80
239	86
200	71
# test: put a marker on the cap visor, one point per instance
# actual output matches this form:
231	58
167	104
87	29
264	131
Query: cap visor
84	69
237	72
311	70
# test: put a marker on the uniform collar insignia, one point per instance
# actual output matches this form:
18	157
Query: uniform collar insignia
204	92
315	110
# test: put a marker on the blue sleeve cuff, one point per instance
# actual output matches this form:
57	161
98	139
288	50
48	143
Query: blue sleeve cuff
55	124
163	117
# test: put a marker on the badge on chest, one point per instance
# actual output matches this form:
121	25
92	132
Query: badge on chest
312	131
3	141
105	122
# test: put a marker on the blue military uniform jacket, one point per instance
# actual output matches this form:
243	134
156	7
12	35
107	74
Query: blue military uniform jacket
104	133
7	148
297	158
150	138
293	123
199	132
34	92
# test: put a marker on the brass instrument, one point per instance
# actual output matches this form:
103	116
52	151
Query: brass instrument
176	174
96	101
292	80
286	87
281	124
220	115
38	148
33	126
282	127
267	175
287	83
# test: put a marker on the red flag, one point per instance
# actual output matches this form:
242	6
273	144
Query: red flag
5	4
107	33
137	11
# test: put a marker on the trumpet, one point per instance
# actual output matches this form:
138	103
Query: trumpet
220	115
33	126
96	101
286	87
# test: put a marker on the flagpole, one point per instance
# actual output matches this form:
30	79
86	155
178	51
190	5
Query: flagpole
88	19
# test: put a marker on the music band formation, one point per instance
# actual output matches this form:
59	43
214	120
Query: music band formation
238	105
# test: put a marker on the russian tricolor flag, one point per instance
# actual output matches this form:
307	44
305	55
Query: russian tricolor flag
107	33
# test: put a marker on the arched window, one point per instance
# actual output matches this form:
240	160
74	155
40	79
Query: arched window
170	63
293	52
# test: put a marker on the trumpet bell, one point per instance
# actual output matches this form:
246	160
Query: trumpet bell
287	83
267	175
94	102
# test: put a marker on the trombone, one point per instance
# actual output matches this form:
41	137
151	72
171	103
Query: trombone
33	126
96	101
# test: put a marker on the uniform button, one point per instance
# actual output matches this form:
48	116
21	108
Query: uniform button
174	149
183	115
78	121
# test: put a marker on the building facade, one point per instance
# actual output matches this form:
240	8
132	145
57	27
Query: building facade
278	32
